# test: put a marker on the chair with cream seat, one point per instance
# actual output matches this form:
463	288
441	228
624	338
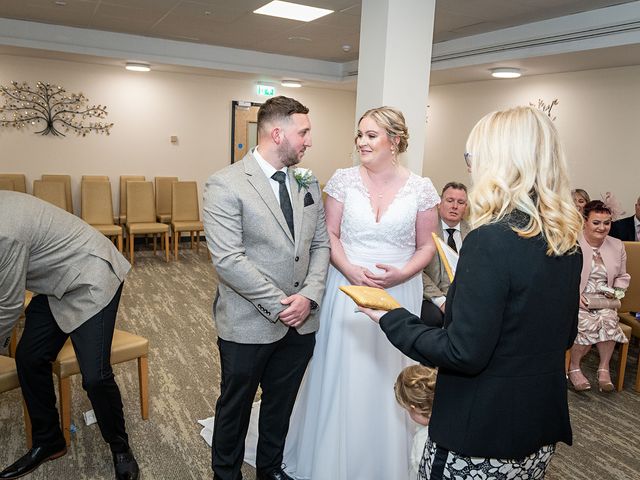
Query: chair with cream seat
124	347
52	192
66	181
9	381
631	300
141	216
95	178
122	218
19	181
96	209
185	214
163	198
6	184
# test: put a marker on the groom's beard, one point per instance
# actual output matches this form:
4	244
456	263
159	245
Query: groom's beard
288	155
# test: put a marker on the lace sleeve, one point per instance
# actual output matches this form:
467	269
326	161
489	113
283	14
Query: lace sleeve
336	187
427	195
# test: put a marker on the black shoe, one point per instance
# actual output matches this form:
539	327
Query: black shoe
33	459
277	474
125	465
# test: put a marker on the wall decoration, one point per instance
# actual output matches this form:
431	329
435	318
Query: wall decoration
544	107
52	106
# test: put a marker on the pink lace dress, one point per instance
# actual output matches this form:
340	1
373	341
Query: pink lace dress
346	423
595	326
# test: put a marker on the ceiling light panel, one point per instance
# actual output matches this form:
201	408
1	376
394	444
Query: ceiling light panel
292	11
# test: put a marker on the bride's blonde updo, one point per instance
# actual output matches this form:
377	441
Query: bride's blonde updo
392	120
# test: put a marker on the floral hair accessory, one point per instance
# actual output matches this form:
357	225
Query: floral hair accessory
612	203
303	177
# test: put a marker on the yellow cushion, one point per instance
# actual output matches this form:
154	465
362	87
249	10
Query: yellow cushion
8	374
626	319
190	226
136	228
125	346
370	297
109	229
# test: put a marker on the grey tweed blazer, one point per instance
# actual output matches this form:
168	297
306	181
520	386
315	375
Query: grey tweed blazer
52	252
257	260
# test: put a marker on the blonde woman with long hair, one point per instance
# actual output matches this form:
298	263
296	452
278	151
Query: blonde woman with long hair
501	396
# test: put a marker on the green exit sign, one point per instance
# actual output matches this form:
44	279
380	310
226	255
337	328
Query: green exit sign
266	90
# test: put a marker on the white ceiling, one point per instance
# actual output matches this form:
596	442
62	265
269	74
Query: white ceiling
231	23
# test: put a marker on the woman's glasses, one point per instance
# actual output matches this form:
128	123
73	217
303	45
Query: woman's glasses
467	159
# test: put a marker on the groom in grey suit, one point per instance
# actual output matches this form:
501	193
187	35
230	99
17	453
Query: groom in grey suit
265	228
77	275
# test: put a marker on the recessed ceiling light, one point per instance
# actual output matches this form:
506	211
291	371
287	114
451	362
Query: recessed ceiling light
60	3
291	83
292	11
138	66
504	72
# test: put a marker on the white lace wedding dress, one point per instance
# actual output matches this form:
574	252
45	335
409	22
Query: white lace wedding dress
346	424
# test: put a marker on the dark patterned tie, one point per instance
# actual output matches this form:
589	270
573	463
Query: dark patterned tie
285	201
450	241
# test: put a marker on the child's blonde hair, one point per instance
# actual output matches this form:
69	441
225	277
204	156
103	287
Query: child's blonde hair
414	388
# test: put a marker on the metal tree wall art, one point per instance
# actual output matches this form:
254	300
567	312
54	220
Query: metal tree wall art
51	106
546	108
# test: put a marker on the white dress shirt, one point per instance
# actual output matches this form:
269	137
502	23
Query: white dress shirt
457	236
636	223
269	170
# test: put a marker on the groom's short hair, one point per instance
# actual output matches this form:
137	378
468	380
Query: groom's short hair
277	109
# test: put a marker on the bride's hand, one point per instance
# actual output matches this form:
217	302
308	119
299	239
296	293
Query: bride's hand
391	277
358	275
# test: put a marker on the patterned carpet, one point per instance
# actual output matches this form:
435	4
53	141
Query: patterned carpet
170	304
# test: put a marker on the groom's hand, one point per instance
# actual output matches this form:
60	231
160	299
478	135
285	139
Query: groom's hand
297	311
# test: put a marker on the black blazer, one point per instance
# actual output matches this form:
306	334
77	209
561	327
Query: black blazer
624	229
511	314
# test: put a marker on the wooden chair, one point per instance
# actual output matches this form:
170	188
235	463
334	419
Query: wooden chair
9	381
163	198
8	372
122	219
96	209
185	214
141	216
631	300
125	347
95	178
52	192
19	181
66	180
6	184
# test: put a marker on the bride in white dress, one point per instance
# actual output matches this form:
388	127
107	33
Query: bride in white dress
346	423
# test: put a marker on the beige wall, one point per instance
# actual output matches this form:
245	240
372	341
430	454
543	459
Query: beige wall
598	118
147	109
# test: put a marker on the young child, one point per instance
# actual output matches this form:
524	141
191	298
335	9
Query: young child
414	392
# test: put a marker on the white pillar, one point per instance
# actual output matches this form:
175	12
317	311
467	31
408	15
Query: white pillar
396	37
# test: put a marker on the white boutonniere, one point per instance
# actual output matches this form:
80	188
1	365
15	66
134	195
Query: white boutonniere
304	177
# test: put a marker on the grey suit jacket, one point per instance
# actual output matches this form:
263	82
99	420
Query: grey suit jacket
52	252
435	280
256	258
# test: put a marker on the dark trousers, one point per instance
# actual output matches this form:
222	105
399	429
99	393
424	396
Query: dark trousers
278	369
39	346
431	315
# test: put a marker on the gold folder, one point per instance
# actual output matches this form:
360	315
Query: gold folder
370	297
